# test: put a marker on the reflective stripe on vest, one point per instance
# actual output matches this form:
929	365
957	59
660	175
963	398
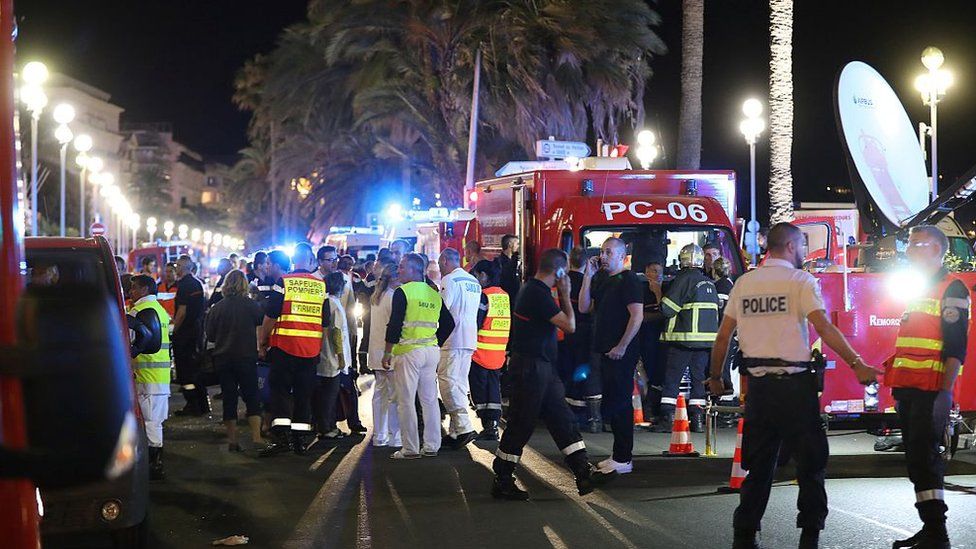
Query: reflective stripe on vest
152	370
494	332
298	330
918	349
420	320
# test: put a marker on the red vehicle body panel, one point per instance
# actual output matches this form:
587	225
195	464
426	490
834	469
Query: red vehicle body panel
556	204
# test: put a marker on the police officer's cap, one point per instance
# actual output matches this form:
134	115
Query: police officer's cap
691	255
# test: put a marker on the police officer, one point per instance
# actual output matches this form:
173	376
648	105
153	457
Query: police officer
291	338
691	307
536	388
152	366
770	307
224	266
929	353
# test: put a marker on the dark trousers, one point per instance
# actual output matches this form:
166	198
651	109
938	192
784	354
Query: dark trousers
923	416
653	354
783	410
349	398
486	393
537	393
184	351
681	359
291	380
618	403
326	399
238	376
579	373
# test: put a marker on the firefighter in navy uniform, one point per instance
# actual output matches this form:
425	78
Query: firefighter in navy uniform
691	307
770	307
929	353
291	338
537	391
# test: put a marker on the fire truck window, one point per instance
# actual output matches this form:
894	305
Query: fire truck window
817	236
566	241
53	267
960	248
648	243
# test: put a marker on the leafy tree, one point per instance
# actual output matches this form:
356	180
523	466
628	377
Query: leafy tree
781	110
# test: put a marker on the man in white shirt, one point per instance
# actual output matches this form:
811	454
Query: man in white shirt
461	293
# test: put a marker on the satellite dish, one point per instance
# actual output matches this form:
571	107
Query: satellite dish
885	160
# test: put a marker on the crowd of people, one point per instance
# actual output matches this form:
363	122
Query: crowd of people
282	334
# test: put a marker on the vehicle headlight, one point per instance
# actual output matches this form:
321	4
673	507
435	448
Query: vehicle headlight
111	510
124	456
358	310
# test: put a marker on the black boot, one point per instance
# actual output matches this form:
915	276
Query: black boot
809	538
663	422
490	431
587	476
278	445
595	424
504	487
697	423
156	471
929	537
744	539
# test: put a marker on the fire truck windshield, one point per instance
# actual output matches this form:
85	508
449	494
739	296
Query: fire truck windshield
647	243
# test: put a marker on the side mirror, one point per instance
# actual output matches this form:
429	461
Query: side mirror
77	389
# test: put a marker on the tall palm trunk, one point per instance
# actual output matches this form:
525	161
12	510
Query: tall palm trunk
689	122
780	110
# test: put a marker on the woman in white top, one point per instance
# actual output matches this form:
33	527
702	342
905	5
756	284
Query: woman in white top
333	359
386	425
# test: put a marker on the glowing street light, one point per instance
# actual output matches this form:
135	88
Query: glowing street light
64	136
183	231
932	85
168	229
751	128
34	74
647	151
195	234
151	227
83	144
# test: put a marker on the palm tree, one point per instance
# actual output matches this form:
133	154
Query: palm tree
780	110
689	120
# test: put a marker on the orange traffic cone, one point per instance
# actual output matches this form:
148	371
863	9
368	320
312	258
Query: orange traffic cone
638	405
681	445
738	473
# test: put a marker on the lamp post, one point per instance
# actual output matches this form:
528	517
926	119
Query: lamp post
94	167
63	115
168	230
34	74
751	127
83	144
208	239
933	85
646	149
134	225
151	227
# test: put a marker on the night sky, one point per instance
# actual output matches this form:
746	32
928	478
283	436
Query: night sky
174	60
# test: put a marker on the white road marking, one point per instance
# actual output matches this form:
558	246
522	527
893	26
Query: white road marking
554	539
870	520
363	538
318	463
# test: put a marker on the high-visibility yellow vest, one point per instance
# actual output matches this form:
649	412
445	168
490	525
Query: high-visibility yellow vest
152	369
420	320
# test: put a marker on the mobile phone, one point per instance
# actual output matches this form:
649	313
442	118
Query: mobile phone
560	272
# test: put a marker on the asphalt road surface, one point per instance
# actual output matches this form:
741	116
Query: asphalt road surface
350	494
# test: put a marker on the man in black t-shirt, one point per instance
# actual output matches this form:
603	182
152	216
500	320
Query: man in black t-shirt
187	327
536	388
581	378
615	297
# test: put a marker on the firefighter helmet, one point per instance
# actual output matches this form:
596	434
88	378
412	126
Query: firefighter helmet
691	255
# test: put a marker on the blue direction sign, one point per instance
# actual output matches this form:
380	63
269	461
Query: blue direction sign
547	148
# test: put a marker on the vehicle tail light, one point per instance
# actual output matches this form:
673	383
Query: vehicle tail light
124	456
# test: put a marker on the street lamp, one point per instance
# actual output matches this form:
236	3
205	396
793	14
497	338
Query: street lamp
751	127
63	115
168	229
133	220
183	231
34	74
207	239
83	144
646	149
195	235
151	227
933	85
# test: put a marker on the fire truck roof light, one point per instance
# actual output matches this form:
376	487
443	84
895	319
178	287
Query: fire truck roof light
473	196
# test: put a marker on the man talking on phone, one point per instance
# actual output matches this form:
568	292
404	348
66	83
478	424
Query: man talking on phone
615	297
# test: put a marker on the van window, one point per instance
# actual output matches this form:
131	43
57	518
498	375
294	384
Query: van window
654	243
77	267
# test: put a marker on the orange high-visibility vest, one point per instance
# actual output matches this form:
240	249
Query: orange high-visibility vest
918	350
166	296
493	335
298	331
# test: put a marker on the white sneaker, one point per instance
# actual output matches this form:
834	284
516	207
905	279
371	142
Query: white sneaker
608	466
430	453
399	454
379	442
395	443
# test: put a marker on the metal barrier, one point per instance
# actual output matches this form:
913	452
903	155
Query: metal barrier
711	430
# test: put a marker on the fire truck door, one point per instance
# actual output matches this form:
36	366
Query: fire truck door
518	191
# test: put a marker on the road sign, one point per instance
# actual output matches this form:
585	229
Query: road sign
96	229
546	148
